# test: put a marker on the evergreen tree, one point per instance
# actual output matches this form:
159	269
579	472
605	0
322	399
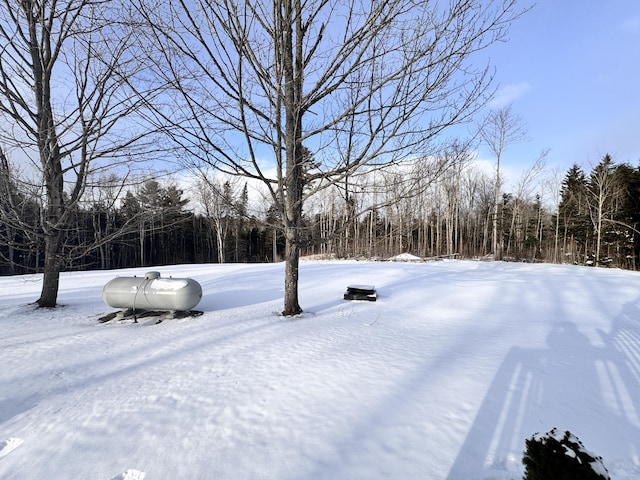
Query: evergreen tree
573	213
20	223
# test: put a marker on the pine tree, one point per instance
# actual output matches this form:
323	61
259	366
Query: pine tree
573	213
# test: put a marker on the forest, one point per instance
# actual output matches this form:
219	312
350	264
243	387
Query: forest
589	218
146	132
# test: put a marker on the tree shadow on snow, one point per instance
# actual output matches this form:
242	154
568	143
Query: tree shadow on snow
592	391
12	407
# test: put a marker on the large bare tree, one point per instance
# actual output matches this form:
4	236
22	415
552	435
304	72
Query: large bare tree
300	94
66	105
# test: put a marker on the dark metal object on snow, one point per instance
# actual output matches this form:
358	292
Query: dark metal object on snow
159	315
361	292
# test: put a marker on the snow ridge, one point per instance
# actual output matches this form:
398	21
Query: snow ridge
9	446
130	475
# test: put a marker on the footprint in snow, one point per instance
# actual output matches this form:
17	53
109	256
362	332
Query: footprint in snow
9	446
130	475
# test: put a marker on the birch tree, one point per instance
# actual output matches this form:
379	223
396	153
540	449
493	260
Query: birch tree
602	189
523	200
219	200
500	128
357	84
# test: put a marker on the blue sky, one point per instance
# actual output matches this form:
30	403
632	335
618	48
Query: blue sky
571	71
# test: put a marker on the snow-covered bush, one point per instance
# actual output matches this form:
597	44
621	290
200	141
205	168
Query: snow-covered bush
561	457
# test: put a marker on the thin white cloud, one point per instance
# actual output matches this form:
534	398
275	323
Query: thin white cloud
508	93
632	24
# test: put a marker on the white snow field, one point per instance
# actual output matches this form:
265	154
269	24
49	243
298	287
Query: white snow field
443	377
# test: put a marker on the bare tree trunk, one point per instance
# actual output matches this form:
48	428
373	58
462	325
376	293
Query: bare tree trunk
291	275
496	244
274	246
292	259
602	190
52	267
598	226
51	161
500	128
220	244
556	251
292	34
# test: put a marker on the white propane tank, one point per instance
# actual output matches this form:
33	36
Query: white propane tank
152	293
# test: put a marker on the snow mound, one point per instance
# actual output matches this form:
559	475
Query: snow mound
405	257
9	446
130	475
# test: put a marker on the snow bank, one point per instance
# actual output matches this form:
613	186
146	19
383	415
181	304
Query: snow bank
405	257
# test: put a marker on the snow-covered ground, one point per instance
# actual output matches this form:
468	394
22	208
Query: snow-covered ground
444	377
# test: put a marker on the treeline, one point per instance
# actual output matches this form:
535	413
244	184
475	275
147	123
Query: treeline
598	219
151	225
587	218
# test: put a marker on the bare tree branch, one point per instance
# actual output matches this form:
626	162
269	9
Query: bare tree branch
260	88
